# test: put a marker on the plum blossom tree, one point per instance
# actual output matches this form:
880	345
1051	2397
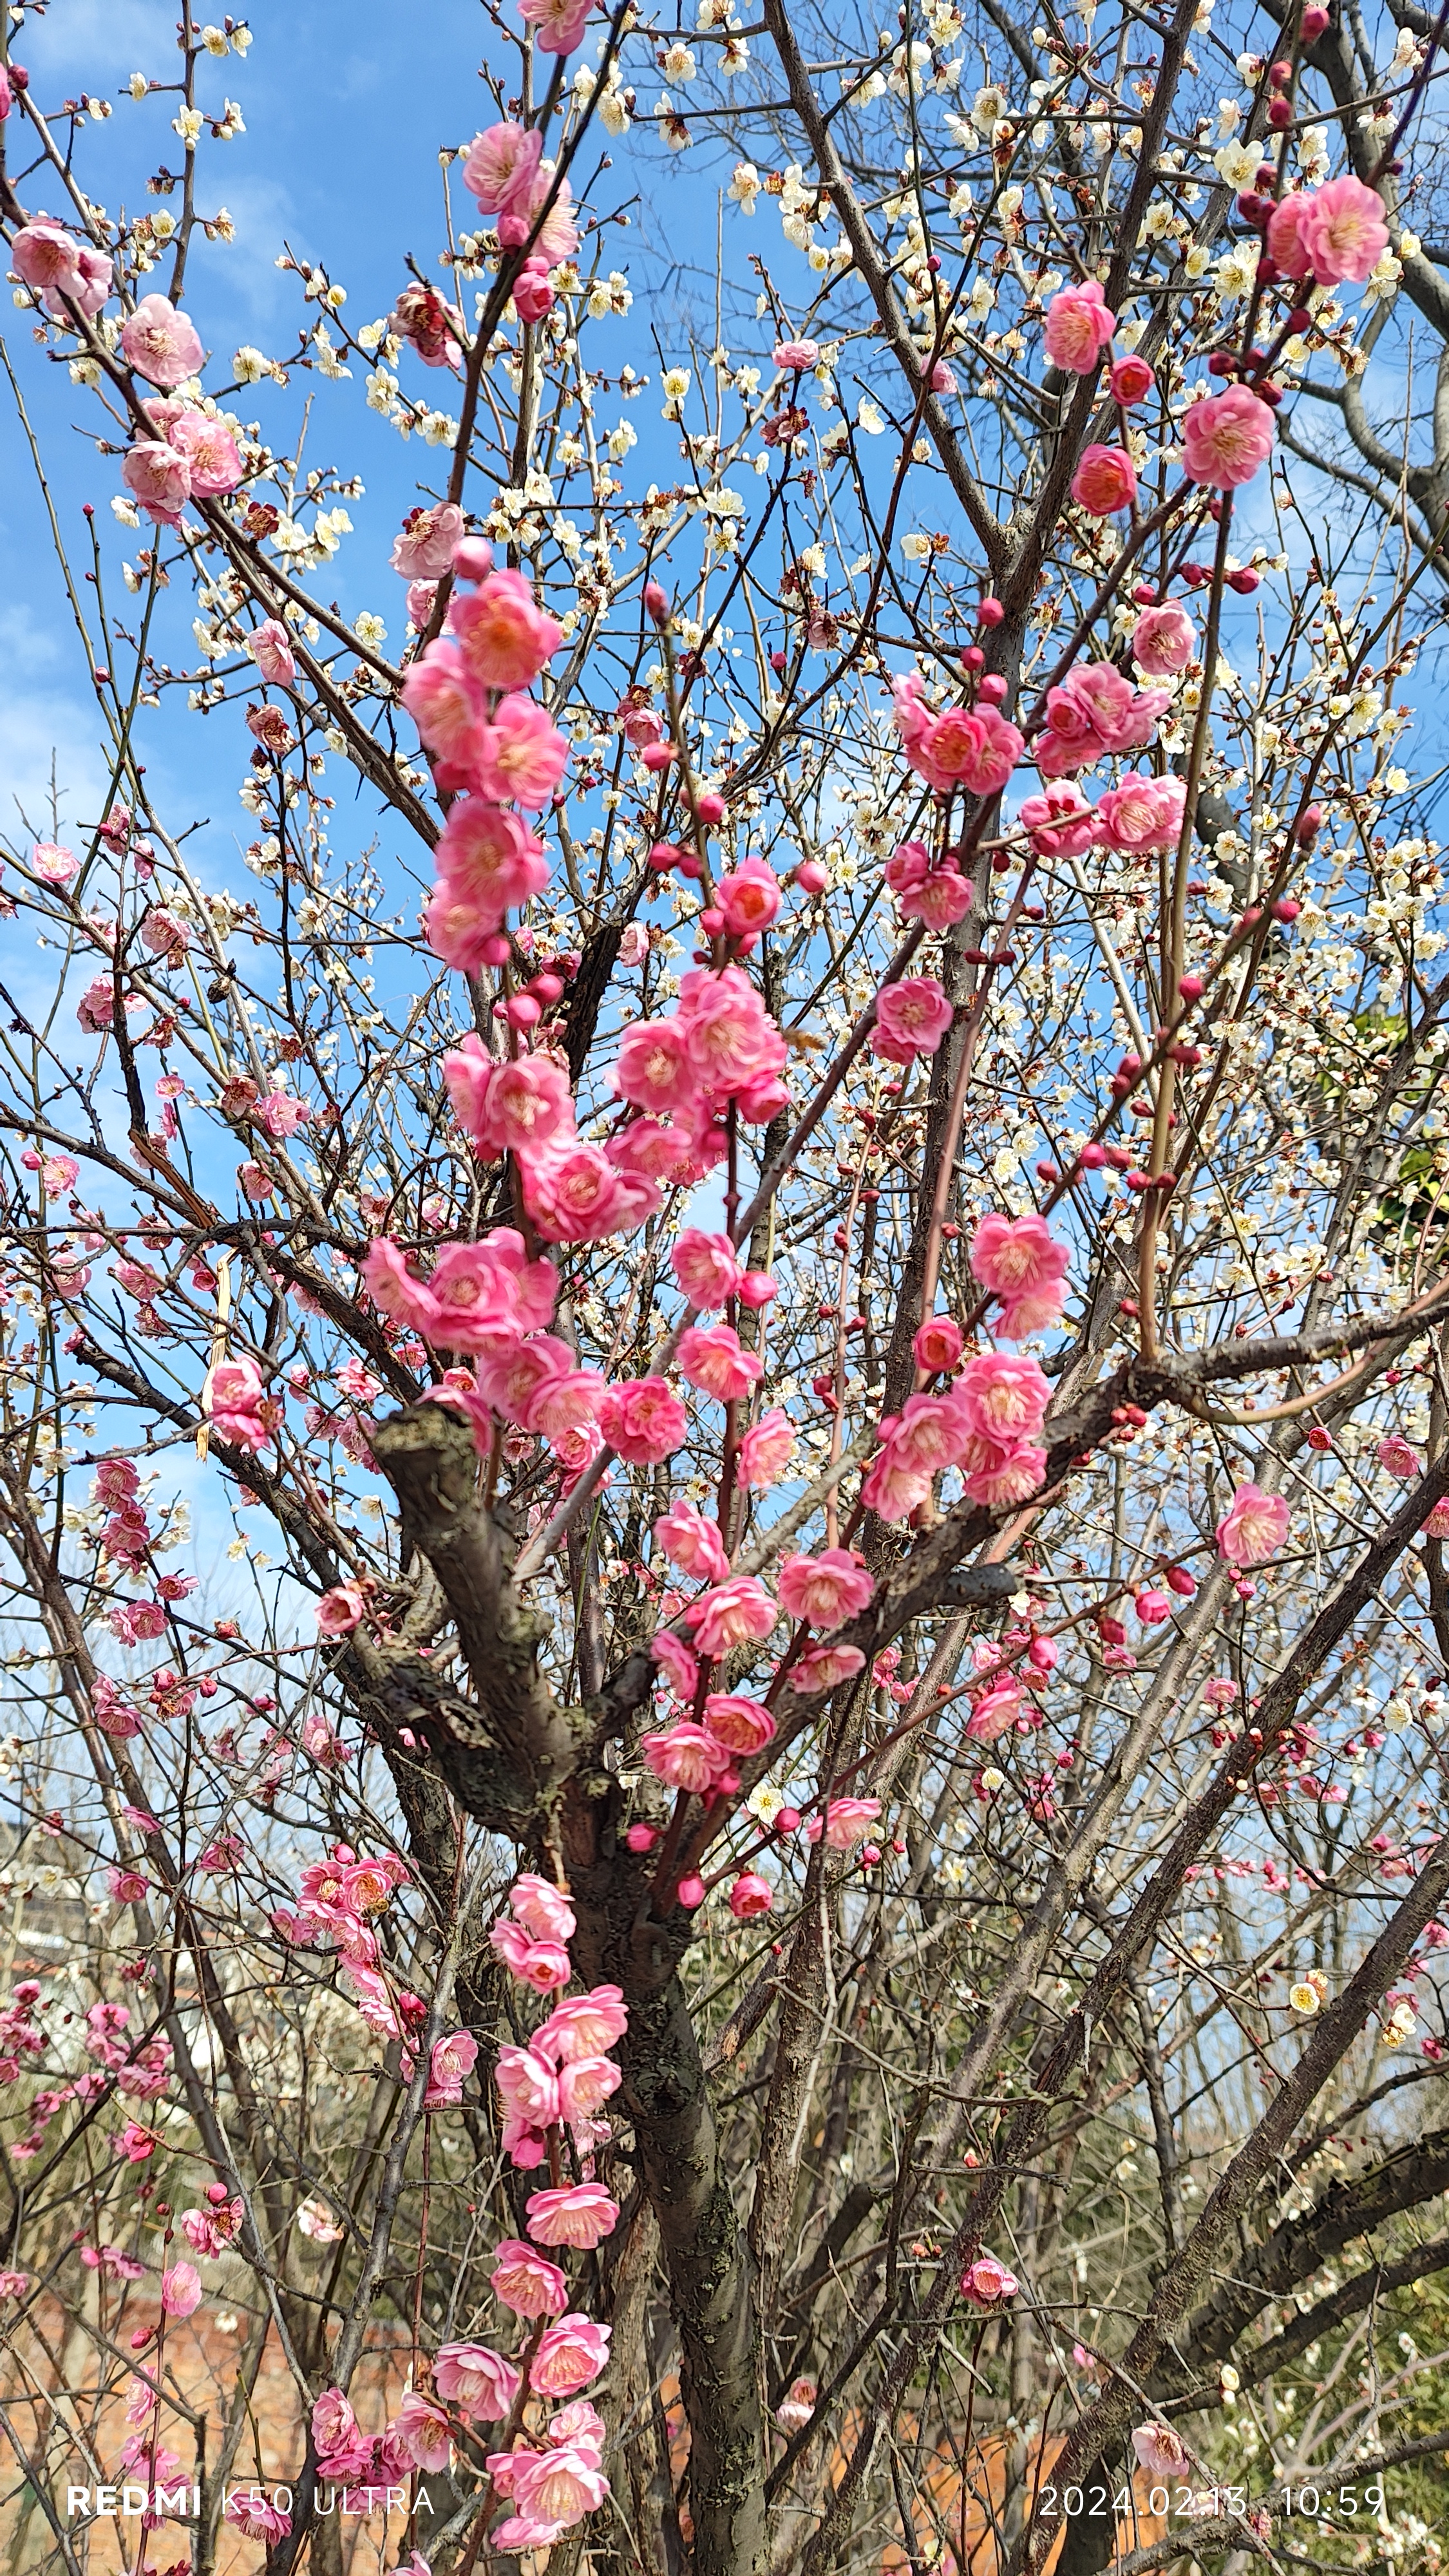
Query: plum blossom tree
782	1904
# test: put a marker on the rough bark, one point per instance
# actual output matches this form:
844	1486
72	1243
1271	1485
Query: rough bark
506	1758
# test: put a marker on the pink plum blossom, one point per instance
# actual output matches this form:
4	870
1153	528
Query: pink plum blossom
526	2282
679	1667
1105	480
824	1668
1253	1528
499	166
232	1400
1079	324
528	2086
423	548
971	747
749	898
643	1419
557	24
691	1542
571	2352
542	1908
161	343
714	1359
1142	814
579	2214
987	2284
750	1895
1161	2451
706	1266
180	2289
1342	232
585	2084
1019	1260
270	647
938	1345
912	1017
504	637
1226	437
826	1589
522	755
488	862
1164	640
544	1965
159	476
732	1614
210	451
478	2380
453	2058
939	896
845	1822
422	2428
766	1451
583	2025
687	1757
1094	710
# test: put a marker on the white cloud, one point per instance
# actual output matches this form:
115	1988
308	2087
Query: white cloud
48	738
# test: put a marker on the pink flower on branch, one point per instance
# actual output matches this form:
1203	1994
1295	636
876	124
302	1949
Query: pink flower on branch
1253	1528
1079	325
1019	1261
499	166
571	2353
526	2282
162	343
824	1590
477	2380
691	1542
583	2025
1105	481
642	1418
580	2214
987	2284
912	1018
734	1613
1140	814
1226	437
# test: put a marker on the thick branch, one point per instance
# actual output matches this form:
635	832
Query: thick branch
506	1758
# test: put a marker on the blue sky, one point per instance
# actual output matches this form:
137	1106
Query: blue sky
345	109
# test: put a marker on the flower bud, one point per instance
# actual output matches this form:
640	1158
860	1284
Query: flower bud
750	1896
1131	379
